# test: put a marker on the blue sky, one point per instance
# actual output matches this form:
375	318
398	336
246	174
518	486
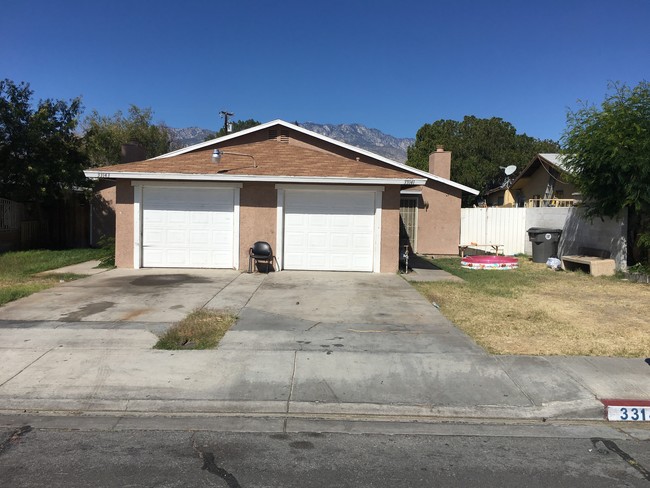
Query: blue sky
386	64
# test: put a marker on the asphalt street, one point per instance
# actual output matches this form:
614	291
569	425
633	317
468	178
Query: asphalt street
573	456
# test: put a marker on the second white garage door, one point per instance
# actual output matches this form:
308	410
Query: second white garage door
187	227
329	230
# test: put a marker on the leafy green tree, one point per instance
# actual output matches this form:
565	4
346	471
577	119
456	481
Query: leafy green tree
608	151
236	127
104	135
479	147
40	154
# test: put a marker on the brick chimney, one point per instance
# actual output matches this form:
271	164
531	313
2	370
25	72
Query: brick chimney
132	151
440	163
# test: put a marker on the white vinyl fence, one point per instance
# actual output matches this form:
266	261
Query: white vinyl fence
503	226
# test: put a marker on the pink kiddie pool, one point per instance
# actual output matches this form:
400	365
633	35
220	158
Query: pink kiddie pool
489	262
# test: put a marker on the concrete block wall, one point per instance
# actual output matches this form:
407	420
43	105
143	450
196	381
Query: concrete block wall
607	234
550	217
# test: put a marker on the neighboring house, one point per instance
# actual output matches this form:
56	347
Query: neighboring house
320	203
543	183
499	197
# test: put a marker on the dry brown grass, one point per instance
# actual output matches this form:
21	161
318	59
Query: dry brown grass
201	329
536	311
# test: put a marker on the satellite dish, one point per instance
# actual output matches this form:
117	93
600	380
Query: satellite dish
510	169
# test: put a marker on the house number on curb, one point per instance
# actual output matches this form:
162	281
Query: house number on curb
628	414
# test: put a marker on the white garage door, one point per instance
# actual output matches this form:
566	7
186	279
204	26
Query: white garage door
187	227
329	230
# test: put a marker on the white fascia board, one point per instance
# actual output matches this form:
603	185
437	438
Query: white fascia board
186	184
243	178
299	187
297	128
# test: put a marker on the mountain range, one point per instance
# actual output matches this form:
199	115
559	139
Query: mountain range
357	135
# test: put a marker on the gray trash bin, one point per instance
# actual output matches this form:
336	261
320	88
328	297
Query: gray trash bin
545	243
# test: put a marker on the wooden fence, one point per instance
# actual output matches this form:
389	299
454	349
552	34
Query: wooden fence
62	225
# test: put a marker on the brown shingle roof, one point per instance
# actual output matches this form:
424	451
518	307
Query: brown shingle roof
273	158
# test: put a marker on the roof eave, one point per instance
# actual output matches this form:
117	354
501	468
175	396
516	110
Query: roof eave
132	175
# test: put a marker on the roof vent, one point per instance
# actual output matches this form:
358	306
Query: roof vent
284	136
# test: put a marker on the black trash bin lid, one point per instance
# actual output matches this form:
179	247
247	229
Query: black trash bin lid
543	230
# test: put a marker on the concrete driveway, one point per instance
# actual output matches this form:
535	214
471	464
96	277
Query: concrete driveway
305	343
287	311
328	312
123	295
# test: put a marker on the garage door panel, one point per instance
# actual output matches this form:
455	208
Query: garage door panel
154	237
317	240
176	217
176	257
362	261
200	238
201	218
201	259
188	227
317	262
340	241
295	240
340	261
177	238
326	230
362	223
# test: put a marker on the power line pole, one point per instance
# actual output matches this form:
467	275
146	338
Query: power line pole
225	114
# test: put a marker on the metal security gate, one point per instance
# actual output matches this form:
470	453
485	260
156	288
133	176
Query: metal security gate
408	225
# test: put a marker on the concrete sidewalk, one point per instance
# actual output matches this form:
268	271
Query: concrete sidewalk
73	368
305	344
85	268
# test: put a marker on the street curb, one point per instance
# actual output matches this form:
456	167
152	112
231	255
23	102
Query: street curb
580	410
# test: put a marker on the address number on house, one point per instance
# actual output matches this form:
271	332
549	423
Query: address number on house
628	414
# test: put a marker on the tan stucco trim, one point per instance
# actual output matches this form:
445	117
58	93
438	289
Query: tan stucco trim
390	230
123	224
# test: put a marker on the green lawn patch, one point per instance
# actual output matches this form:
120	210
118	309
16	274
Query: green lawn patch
18	270
201	329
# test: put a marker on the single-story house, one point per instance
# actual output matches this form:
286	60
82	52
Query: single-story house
320	203
543	183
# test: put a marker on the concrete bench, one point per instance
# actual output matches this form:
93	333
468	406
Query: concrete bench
594	261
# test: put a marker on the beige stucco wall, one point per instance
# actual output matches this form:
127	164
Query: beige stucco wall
439	224
103	213
257	218
124	224
390	230
257	222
